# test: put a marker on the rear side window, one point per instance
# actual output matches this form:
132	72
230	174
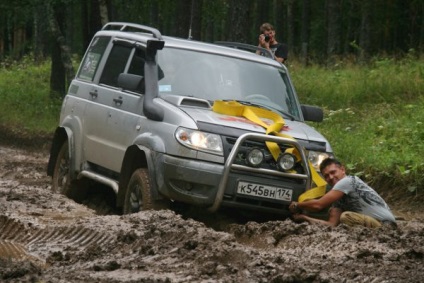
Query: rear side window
92	58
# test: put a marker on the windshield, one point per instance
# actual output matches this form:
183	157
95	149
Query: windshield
214	77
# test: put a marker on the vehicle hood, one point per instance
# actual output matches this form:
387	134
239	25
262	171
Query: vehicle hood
296	129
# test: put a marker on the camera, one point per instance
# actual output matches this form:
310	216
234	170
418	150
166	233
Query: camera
267	38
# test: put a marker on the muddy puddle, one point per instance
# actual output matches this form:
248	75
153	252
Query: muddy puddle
46	237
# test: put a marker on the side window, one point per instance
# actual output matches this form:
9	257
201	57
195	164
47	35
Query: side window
137	68
93	57
115	64
137	63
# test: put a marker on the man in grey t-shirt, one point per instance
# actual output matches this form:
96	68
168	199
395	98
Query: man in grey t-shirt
352	201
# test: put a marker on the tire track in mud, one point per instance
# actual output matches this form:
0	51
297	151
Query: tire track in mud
20	242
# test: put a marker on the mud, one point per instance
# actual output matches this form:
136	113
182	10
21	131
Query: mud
47	237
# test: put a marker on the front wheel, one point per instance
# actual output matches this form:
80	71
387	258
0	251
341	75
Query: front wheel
139	195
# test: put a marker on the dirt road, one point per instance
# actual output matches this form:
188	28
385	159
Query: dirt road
46	237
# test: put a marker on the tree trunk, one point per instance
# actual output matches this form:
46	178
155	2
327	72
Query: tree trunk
183	12
57	74
333	36
62	70
41	39
103	10
364	36
196	23
304	34
19	38
278	19
239	20
94	18
290	24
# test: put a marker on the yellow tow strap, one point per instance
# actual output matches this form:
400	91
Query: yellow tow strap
254	114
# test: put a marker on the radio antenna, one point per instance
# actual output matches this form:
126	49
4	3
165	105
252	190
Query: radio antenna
191	21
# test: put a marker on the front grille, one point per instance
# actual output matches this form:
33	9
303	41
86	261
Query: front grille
270	163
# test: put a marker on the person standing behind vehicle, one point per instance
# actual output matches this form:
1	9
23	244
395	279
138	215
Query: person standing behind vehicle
268	41
352	201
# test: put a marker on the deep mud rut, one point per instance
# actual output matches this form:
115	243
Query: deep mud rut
47	237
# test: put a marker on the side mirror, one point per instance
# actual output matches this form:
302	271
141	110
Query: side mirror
312	113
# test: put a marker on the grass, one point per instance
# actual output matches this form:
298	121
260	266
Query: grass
373	117
24	89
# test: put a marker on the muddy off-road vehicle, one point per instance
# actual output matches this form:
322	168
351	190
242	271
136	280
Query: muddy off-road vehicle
164	120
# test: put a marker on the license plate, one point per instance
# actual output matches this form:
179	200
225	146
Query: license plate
250	189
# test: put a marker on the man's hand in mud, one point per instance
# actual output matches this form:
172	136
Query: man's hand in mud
294	208
298	217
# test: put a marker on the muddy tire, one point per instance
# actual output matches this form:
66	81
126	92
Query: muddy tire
61	179
139	195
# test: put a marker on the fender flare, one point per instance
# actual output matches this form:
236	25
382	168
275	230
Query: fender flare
61	134
136	156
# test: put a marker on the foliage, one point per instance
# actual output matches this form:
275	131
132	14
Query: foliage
24	88
347	83
395	25
373	116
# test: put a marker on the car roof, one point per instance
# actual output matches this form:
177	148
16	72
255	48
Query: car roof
189	44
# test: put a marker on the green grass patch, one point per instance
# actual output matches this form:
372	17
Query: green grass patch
373	117
26	103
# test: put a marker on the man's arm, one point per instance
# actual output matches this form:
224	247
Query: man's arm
317	204
333	219
279	59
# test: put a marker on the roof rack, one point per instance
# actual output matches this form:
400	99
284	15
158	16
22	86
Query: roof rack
248	47
121	26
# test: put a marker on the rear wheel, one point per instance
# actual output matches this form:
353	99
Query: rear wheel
139	195
61	179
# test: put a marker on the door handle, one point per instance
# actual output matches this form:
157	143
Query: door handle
93	94
118	101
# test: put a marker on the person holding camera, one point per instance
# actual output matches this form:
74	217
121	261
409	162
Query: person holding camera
267	41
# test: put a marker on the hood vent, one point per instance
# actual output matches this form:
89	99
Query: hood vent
195	102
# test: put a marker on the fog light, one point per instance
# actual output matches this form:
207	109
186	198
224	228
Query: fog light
286	161
255	157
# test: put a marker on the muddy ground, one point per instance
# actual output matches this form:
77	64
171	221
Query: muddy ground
47	237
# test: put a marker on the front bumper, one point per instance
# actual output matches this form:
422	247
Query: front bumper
214	185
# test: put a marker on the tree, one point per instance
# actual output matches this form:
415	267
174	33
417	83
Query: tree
238	21
305	31
290	24
318	29
333	35
183	18
104	15
196	19
62	70
364	38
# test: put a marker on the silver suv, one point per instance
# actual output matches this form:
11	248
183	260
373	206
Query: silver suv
142	117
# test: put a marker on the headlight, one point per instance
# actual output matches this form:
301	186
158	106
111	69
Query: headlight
316	157
255	157
199	140
286	161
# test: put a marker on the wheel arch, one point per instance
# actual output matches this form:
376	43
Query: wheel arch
61	135
136	156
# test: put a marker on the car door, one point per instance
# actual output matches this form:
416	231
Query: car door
113	122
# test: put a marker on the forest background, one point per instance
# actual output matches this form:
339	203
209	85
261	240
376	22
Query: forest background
362	61
318	30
